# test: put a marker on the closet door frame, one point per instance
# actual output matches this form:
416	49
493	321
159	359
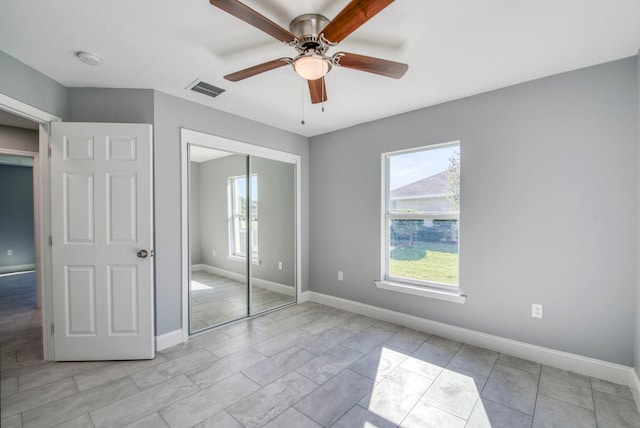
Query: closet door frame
189	136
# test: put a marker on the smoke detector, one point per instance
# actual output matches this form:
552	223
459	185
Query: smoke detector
88	58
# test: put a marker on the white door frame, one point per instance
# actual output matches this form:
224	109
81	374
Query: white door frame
41	211
188	136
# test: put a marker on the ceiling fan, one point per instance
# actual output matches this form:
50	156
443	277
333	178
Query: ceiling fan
312	35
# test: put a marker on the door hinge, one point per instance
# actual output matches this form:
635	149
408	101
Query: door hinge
50	240
53	330
49	151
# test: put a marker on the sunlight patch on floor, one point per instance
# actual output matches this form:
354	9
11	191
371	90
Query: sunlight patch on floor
195	286
402	395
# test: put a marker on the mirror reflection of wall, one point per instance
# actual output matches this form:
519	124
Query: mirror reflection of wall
276	232
221	216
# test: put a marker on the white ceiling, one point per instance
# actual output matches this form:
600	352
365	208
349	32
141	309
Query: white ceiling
454	48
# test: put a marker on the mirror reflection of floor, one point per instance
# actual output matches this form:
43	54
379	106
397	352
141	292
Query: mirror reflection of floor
216	299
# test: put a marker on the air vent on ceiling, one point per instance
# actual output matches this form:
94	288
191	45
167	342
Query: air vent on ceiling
207	89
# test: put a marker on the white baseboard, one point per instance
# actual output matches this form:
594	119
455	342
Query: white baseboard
17	268
217	271
262	283
563	360
168	340
634	384
274	286
304	297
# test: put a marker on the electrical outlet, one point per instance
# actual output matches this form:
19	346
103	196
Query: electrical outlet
280	265
340	277
536	310
9	252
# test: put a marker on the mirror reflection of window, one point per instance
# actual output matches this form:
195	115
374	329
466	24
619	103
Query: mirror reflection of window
237	196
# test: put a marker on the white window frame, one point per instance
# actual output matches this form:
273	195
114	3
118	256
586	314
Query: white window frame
430	289
235	239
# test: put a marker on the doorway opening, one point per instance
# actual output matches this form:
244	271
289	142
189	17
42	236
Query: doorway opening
21	323
15	114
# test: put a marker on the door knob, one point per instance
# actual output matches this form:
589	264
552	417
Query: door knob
142	254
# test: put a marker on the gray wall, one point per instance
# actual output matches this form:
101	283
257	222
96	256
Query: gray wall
549	210
16	217
28	85
276	216
26	140
111	105
213	208
170	114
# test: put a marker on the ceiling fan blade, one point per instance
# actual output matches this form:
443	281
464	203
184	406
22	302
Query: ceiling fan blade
257	69
351	17
370	64
318	90
252	17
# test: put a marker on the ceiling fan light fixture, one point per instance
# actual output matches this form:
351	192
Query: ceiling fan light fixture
311	66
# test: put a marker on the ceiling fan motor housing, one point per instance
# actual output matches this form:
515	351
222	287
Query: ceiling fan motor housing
308	29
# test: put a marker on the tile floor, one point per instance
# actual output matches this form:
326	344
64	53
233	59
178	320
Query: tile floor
216	300
303	366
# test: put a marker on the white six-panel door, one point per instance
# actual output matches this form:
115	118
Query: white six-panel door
101	223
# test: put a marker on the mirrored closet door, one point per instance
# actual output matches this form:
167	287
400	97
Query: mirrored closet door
272	235
242	234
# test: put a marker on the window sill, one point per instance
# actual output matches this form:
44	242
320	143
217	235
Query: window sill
244	260
431	293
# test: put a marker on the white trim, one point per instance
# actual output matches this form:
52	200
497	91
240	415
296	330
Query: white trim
168	340
186	232
43	259
576	363
425	215
17	268
305	296
25	110
243	259
234	146
389	282
23	153
417	290
406	198
37	222
274	286
197	267
634	384
257	282
240	277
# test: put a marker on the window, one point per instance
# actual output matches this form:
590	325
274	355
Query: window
237	193
420	221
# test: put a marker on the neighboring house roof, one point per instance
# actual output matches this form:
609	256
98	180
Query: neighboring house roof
435	185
